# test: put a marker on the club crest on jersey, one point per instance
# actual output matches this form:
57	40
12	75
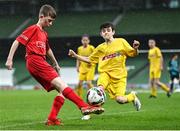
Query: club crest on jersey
110	56
40	44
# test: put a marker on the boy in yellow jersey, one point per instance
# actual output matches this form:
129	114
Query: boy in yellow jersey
111	57
156	65
86	71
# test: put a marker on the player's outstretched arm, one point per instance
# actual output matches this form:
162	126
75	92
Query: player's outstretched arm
9	61
78	57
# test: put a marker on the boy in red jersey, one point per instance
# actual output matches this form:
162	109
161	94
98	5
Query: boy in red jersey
35	40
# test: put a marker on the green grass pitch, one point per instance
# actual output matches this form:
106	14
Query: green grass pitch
28	110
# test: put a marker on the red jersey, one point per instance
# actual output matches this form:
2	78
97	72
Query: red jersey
35	40
36	43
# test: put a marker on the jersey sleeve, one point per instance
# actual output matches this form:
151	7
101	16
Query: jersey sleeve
97	53
158	52
92	47
26	35
78	51
128	50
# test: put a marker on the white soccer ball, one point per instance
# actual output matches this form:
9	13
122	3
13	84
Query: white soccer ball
96	96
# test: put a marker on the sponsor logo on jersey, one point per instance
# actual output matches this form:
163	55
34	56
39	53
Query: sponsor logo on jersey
110	56
41	44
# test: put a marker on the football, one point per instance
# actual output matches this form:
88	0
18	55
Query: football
96	96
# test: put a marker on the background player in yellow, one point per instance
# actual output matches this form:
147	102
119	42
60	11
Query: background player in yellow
111	57
86	71
156	66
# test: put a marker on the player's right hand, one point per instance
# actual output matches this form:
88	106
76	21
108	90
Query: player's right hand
71	53
9	64
136	44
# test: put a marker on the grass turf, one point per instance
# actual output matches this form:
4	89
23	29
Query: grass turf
27	109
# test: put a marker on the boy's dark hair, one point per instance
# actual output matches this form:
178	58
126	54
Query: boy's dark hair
152	39
47	10
107	25
85	35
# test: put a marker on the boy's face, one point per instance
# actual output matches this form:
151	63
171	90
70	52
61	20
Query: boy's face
46	21
107	33
151	43
176	57
85	40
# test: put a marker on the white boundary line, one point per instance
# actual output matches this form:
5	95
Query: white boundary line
163	51
71	118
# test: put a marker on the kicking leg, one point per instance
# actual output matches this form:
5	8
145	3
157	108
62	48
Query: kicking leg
131	97
69	94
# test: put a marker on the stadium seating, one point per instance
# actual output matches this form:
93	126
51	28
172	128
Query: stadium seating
76	24
149	22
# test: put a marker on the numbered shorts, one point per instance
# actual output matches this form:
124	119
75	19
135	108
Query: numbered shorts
114	87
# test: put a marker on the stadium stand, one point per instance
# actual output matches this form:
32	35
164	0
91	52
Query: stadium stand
149	22
78	23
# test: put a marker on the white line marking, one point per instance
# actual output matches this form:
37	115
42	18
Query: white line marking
19	28
117	19
163	51
24	124
70	118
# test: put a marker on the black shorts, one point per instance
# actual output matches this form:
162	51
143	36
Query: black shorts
174	76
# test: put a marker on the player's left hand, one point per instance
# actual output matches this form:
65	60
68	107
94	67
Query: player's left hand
57	68
136	44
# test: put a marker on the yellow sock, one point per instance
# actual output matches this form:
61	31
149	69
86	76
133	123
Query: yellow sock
164	87
79	91
153	91
130	97
90	86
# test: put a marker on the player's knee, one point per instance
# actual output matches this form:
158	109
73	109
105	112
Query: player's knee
59	84
158	83
121	100
102	87
60	94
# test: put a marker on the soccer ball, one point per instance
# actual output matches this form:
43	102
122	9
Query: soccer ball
96	96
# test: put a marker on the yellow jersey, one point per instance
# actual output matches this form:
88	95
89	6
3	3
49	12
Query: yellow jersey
111	57
154	56
85	51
